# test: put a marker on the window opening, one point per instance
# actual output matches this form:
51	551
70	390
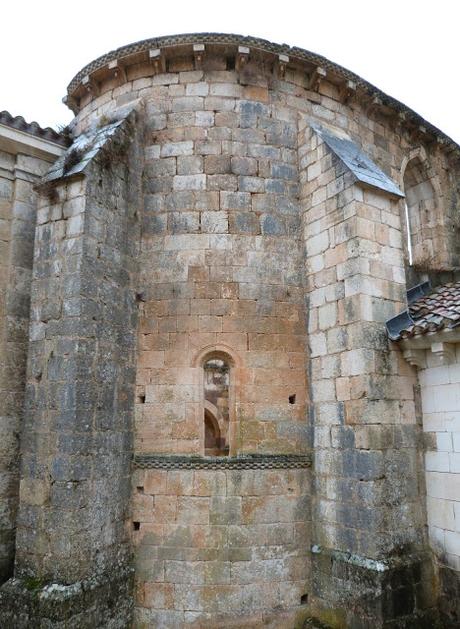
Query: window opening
419	209
409	238
216	407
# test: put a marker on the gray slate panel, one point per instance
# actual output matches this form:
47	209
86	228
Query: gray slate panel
362	167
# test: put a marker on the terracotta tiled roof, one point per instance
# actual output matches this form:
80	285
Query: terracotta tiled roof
33	128
436	311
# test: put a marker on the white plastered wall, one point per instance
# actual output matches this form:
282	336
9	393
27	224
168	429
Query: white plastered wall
440	389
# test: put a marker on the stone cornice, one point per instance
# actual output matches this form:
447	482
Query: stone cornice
441	345
156	50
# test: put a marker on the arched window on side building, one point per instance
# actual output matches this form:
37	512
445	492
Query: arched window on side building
421	212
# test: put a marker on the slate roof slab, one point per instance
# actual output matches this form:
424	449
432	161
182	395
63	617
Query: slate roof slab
361	166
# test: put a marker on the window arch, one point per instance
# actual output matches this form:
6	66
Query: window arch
420	208
216	414
218	366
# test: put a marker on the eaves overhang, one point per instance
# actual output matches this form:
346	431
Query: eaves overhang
283	54
16	141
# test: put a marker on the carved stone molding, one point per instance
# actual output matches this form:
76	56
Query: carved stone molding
431	350
248	462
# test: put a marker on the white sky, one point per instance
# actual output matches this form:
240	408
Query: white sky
407	48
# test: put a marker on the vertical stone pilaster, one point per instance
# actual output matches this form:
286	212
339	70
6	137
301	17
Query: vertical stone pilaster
18	173
7	458
369	510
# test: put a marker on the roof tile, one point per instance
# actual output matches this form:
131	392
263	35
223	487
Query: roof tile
436	311
33	128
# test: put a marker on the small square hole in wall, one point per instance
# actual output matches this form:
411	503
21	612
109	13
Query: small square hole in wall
304	599
136	526
141	398
292	399
140	490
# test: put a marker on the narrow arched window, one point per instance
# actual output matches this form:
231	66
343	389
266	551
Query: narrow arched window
420	212
216	406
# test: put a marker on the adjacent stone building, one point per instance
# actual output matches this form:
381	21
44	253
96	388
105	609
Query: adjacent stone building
237	409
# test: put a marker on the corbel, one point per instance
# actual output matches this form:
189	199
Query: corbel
426	136
347	90
375	106
417	133
117	70
444	351
283	60
90	85
157	59
72	103
415	357
242	57
316	77
198	54
401	122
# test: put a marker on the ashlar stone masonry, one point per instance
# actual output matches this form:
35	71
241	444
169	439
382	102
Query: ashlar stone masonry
216	430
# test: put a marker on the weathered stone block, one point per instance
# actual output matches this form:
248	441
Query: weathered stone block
189	182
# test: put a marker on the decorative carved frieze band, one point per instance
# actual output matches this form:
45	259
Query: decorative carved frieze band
249	462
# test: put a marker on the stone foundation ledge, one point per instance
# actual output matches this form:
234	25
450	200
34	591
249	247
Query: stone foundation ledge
398	593
449	603
294	618
103	601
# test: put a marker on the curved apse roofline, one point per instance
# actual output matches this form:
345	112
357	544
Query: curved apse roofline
294	53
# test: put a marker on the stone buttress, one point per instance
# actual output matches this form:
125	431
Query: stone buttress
72	565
